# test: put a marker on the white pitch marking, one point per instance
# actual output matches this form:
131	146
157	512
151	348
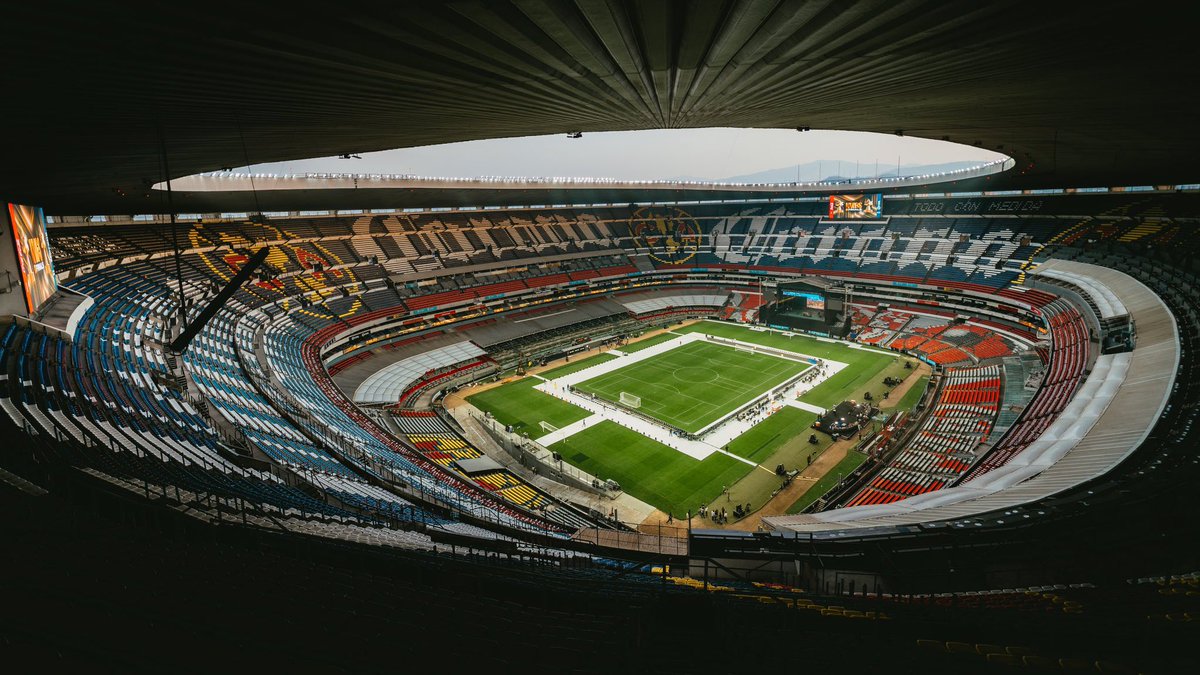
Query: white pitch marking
738	458
569	430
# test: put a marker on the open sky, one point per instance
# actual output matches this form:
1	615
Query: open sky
656	154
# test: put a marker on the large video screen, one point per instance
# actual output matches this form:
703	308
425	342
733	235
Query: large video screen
811	300
852	207
33	254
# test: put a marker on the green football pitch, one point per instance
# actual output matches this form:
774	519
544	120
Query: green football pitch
864	367
649	470
522	407
694	385
667	478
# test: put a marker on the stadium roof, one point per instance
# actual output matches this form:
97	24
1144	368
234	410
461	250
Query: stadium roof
1078	95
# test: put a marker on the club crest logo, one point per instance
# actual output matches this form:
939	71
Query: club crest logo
672	236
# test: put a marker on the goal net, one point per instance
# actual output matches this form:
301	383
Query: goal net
547	427
628	399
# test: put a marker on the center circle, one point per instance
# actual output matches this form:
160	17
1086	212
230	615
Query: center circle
695	374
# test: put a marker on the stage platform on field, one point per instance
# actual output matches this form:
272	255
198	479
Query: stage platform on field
845	419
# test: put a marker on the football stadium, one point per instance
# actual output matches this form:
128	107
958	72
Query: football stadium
931	419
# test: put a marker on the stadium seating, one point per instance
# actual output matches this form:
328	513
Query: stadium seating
263	387
247	422
943	447
1069	356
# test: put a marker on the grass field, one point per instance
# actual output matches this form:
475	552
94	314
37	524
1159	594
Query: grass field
864	371
913	394
762	440
691	386
522	406
688	387
851	462
649	470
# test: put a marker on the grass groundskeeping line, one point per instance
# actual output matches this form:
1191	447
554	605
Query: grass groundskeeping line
695	384
652	472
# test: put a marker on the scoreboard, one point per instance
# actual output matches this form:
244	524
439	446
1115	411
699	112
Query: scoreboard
26	258
855	207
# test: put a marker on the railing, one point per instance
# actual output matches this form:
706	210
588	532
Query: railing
206	501
239	510
522	447
663	539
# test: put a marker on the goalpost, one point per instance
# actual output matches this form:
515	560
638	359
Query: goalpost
547	427
628	399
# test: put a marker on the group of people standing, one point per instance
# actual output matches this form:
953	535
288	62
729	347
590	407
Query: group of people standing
721	516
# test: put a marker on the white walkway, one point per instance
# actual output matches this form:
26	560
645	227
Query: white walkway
569	430
714	440
806	406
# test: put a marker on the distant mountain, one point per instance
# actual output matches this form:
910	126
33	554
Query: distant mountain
829	168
